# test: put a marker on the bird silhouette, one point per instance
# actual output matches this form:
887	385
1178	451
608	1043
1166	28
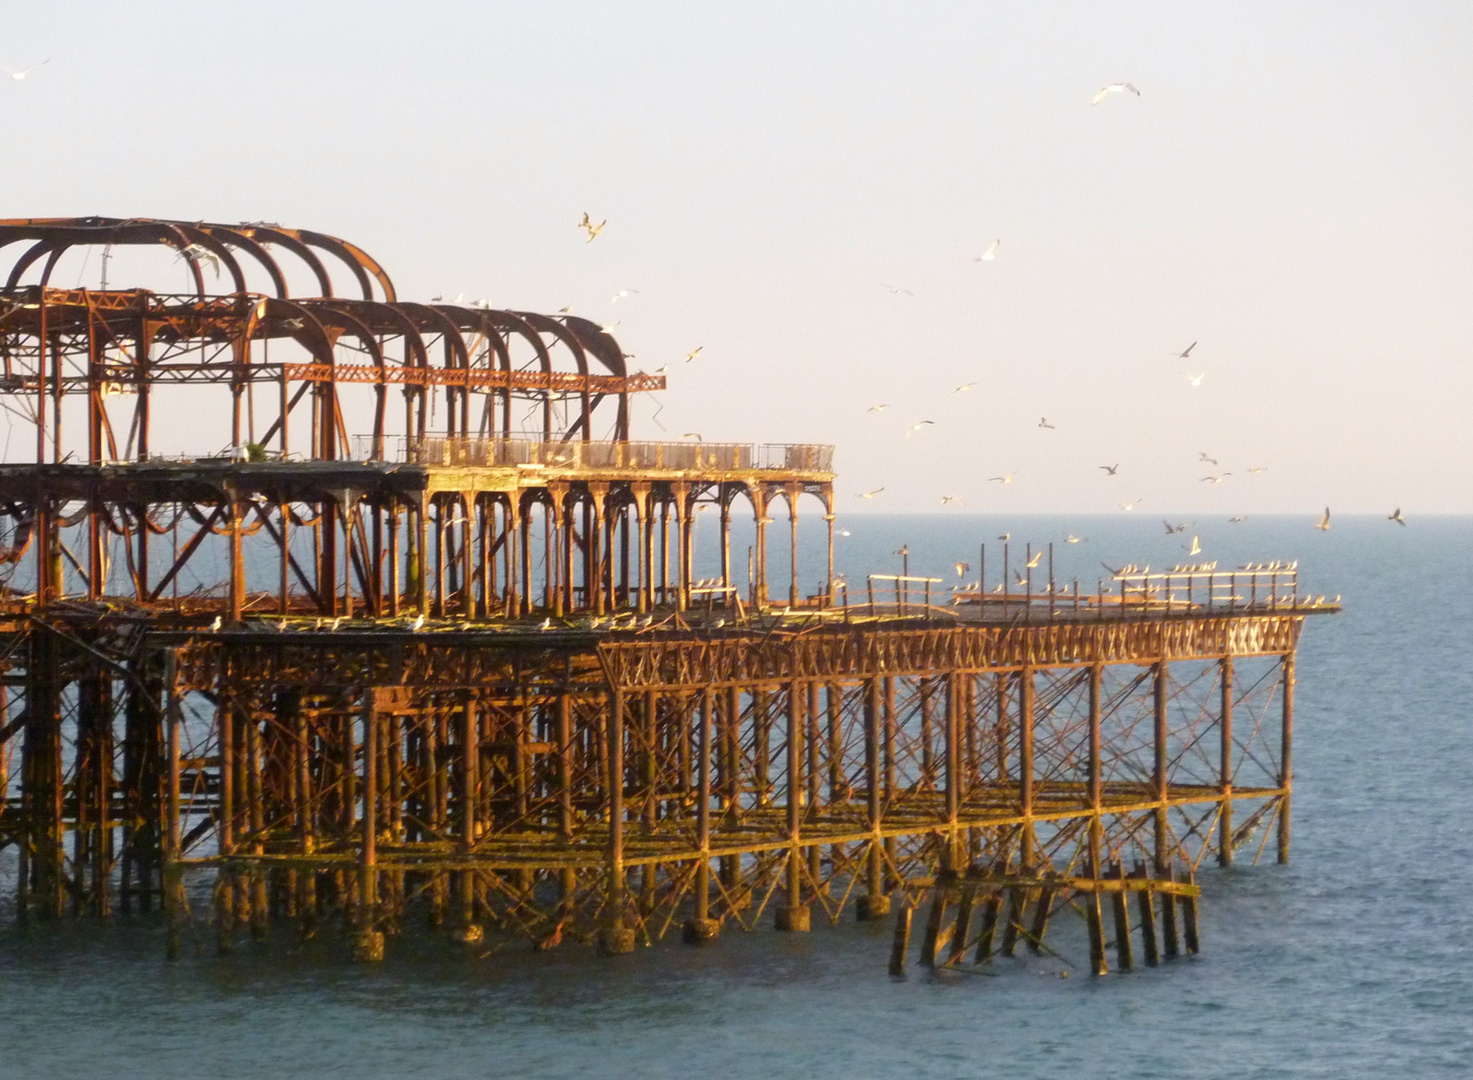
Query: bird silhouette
1110	470
1113	88
1395	516
1324	523
590	228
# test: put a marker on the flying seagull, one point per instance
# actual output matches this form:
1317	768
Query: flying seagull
1216	479
1324	523
990	253
693	353
1235	520
1113	88
877	408
870	494
917	427
590	228
1171	529
1196	546
20	76
1203	456
1395	516
1070	538
945	499
1005	479
1032	563
1127	507
963	387
1195	380
1110	469
896	290
963	569
1043	423
200	253
622	293
1185	352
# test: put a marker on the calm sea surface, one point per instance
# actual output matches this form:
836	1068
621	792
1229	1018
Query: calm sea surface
1355	960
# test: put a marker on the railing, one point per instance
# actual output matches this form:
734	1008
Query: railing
456	450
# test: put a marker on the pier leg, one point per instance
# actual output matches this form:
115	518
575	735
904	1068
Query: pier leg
1146	907
1124	955
900	942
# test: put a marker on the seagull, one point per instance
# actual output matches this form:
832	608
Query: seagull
199	253
1259	469
1070	538
903	549
963	387
1324	523
1110	469
877	408
1395	516
662	369
963	569
870	494
693	353
565	310
1019	579
546	624
219	622
1236	520
1005	536
1128	507
945	499
609	328
1202	456
1196	547
845	532
418	623
622	293
590	228
1113	88
1185	352
917	427
1195	380
990	253
1219	478
692	435
896	290
1006	479
20	76
1043	423
1032	564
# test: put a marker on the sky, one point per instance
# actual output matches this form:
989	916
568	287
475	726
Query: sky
1290	190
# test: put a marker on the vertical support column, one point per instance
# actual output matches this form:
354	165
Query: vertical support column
828	517
793	914
1026	697
524	555
1160	778
792	492
876	902
1094	917
1225	773
593	543
1286	764
644	516
702	928
685	515
419	567
725	539
237	559
616	937
760	502
470	932
368	942
225	881
173	876
955	855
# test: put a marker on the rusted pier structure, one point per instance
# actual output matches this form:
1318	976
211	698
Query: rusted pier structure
491	680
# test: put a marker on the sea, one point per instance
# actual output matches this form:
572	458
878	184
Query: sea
1355	960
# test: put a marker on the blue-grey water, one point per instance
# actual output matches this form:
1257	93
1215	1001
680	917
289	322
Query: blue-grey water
1354	960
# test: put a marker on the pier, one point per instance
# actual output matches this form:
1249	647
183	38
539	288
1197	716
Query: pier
423	642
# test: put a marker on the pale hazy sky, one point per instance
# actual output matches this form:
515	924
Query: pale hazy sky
1293	189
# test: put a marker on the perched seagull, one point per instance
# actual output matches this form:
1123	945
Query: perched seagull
877	408
896	290
1172	530
1128	507
1196	546
20	76
219	622
990	253
1202	456
590	228
199	253
917	427
1006	479
963	569
1113	88
622	293
945	499
1324	523
418	623
693	353
1195	380
1395	516
1110	469
1043	423
546	624
1219	478
870	494
963	387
